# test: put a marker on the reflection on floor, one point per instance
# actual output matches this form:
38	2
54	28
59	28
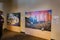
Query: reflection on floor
9	35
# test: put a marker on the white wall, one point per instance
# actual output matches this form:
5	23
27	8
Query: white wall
6	8
56	26
12	8
40	5
1	6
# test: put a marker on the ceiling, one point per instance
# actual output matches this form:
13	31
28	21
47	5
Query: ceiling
31	3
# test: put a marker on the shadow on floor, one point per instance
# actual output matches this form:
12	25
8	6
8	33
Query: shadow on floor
9	35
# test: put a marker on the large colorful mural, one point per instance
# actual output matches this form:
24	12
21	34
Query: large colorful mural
13	19
39	20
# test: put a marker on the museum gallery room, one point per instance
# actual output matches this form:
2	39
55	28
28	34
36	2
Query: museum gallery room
30	19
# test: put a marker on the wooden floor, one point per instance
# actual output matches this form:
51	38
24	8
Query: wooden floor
9	35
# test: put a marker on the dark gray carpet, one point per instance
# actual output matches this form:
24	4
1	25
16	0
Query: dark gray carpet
18	36
23	37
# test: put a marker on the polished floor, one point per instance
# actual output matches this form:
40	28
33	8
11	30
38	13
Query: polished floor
9	35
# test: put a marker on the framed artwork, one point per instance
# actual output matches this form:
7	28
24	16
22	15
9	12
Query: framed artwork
39	20
13	19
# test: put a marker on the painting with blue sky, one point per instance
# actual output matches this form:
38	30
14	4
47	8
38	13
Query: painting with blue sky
39	20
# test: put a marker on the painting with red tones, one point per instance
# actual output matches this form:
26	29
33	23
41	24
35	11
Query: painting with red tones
39	20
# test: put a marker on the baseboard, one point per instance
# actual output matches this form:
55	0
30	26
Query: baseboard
52	39
22	32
